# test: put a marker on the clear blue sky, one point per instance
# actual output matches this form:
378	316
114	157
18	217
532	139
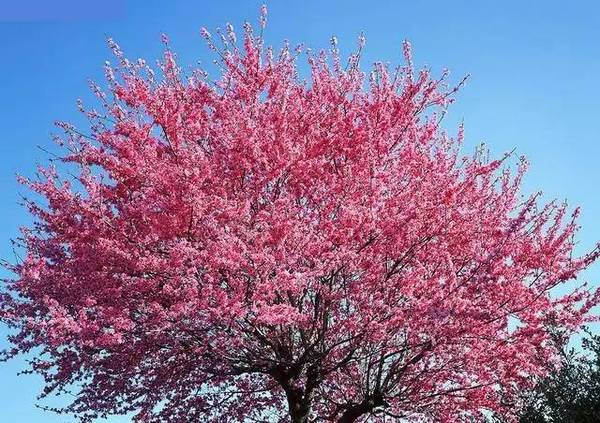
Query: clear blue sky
534	86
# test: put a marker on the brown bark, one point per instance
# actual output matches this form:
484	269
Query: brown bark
355	410
299	402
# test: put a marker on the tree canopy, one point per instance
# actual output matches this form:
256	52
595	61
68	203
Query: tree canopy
258	247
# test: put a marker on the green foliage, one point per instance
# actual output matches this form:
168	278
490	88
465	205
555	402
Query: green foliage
571	394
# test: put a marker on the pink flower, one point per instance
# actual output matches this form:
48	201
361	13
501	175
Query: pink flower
231	241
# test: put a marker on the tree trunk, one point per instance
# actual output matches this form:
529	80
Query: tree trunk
298	408
300	398
298	404
299	414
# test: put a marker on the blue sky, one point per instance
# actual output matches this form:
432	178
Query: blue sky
534	68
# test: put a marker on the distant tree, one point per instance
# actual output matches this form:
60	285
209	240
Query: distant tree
260	248
572	392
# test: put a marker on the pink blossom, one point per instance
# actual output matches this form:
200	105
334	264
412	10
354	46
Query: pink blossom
261	246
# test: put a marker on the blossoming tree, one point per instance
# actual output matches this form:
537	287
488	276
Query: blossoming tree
263	248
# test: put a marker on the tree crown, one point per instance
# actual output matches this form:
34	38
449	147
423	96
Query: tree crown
262	247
